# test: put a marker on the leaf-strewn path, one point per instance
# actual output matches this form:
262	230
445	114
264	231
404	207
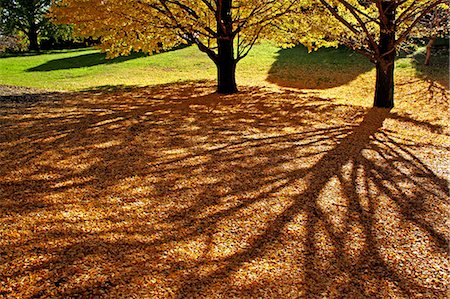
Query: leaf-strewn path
173	191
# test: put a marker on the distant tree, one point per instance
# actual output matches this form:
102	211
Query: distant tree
225	30
434	25
26	16
374	28
61	36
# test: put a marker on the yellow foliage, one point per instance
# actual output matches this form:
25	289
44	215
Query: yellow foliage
354	23
155	25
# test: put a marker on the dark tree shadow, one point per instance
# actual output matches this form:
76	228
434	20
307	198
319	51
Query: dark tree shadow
325	68
42	52
84	60
175	191
11	95
88	60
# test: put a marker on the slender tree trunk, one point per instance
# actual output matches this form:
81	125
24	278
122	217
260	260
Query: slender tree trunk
429	48
384	86
226	64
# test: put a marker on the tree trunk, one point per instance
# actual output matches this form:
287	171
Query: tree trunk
384	85
226	64
226	68
33	38
429	48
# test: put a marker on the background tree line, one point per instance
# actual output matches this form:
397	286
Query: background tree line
25	24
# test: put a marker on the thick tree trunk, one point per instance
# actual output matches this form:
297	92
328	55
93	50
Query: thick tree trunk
226	68
384	86
226	64
429	48
33	38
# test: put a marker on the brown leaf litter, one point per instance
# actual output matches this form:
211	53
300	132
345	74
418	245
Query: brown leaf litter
176	192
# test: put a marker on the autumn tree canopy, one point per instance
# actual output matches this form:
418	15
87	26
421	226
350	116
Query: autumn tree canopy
374	28
225	30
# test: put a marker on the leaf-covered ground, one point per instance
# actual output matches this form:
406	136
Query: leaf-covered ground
173	191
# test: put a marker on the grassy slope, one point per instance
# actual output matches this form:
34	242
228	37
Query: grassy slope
330	73
180	65
80	69
163	68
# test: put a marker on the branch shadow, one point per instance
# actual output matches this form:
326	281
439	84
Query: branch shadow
428	90
175	191
436	75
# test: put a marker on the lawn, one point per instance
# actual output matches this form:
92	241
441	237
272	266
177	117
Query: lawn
87	68
330	73
294	187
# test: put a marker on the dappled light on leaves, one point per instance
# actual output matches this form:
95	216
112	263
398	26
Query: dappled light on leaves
175	191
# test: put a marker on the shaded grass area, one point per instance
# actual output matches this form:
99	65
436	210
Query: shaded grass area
173	191
349	77
42	52
80	61
438	71
322	69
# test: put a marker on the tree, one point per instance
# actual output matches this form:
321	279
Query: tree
26	16
374	28
225	30
435	24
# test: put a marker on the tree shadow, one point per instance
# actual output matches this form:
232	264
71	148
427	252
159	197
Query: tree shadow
322	69
430	85
437	71
89	60
175	191
84	60
42	52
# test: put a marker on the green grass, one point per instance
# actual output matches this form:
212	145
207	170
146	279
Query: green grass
88	68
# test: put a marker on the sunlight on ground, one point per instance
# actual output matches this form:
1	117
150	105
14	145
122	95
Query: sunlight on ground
175	191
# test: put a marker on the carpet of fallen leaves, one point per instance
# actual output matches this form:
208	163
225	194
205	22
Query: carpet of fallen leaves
176	192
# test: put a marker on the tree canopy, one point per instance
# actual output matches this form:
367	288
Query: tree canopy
358	24
225	30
